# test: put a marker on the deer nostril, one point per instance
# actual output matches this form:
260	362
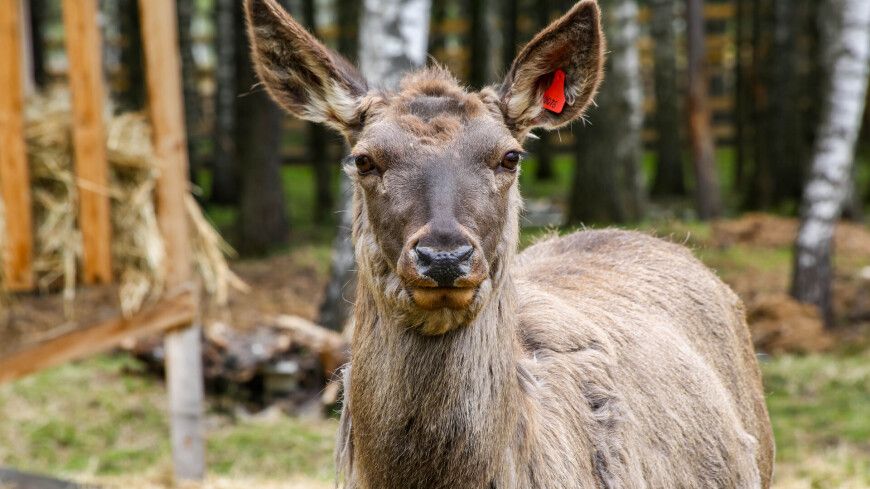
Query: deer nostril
463	253
425	255
444	267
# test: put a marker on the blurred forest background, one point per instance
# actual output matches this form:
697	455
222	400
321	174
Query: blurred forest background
710	129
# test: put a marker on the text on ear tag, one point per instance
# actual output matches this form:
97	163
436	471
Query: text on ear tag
554	97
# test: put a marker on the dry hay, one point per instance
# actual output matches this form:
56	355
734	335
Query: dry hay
138	251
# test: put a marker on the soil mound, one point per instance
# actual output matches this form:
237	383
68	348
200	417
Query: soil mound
767	230
780	324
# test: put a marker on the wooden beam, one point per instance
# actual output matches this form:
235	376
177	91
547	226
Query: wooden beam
184	348
84	50
170	313
14	173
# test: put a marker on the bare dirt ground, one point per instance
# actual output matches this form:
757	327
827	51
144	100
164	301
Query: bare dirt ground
751	253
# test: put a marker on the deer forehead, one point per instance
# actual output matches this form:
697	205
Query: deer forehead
434	127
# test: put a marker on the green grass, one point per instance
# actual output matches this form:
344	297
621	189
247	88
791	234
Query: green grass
103	417
820	409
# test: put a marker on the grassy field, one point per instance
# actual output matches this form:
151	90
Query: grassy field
102	419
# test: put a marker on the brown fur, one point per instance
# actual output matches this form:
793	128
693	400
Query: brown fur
600	359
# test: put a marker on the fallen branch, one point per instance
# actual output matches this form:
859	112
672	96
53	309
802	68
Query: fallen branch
330	346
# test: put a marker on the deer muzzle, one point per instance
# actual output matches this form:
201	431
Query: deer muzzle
442	275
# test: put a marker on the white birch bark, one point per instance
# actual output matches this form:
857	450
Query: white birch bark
847	50
394	36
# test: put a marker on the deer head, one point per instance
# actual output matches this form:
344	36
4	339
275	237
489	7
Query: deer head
434	166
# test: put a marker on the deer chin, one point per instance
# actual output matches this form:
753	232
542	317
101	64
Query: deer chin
434	298
436	311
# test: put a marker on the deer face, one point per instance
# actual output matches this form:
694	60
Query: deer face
434	166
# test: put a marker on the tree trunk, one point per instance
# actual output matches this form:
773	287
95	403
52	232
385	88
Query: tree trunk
703	146
607	184
262	222
318	144
123	54
742	94
348	20
669	179
225	179
37	46
847	49
478	44
485	41
511	33
437	37
192	101
786	143
393	39
545	155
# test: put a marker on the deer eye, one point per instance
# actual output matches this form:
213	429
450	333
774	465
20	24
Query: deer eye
510	160
364	164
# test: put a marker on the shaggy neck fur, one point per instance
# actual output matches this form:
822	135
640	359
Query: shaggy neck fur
433	411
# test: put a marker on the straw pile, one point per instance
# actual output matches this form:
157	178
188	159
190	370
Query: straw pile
138	252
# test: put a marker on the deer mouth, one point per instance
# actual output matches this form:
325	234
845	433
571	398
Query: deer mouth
434	298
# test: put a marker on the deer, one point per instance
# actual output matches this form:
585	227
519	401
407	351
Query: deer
599	359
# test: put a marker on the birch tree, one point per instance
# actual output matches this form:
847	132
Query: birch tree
607	184
394	35
846	47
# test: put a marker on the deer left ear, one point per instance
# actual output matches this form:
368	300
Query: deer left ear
556	75
305	77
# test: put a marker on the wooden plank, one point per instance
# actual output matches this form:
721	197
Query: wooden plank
14	173
183	349
84	51
169	313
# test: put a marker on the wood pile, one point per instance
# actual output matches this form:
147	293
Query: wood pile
287	360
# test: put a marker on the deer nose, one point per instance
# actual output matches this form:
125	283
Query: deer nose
444	266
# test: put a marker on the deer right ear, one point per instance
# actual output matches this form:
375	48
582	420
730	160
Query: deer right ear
305	77
555	76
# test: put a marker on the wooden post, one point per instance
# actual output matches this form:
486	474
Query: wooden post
183	348
84	51
14	173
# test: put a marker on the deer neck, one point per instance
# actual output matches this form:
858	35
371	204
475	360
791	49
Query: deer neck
434	411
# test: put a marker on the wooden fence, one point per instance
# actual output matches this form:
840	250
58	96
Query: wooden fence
178	309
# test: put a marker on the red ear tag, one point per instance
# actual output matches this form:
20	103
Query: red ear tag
554	97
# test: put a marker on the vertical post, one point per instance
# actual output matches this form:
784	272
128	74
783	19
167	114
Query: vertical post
14	173
84	51
183	348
